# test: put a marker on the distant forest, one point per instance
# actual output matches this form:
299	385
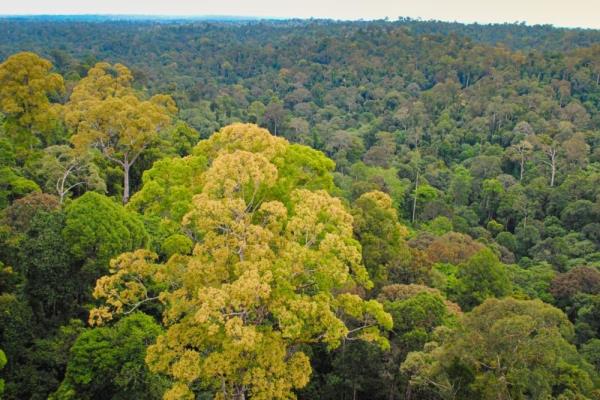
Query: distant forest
317	209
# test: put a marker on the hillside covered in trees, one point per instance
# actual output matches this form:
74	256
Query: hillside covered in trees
298	209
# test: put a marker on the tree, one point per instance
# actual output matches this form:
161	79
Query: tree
97	229
48	357
453	248
491	193
14	186
520	152
108	363
168	187
63	170
16	221
591	352
421	195
27	87
565	286
576	151
380	235
15	336
579	213
273	116
505	349
52	285
382	153
460	186
264	278
300	131
106	113
480	277
360	370
549	148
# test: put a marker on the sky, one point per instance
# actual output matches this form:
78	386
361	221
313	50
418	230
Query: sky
573	13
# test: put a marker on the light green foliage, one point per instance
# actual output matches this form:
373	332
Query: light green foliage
97	229
14	186
301	166
491	193
425	194
507	240
362	179
168	188
439	225
381	236
297	165
176	244
591	352
108	362
532	282
480	277
2	364
170	184
7	153
178	139
416	314
61	170
460	186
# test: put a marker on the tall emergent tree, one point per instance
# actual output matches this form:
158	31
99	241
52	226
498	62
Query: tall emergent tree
26	87
106	112
272	270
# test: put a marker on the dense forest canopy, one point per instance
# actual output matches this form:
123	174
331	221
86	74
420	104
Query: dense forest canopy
312	209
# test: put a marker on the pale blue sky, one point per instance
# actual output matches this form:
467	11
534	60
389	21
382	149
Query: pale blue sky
573	13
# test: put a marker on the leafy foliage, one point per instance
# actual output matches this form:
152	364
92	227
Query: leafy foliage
451	166
262	279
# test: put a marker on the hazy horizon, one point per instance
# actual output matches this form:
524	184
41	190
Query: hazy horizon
579	14
232	17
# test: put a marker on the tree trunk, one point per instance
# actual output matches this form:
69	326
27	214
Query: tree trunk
61	189
522	166
553	174
126	167
414	208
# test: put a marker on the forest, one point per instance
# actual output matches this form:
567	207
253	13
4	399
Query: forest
298	209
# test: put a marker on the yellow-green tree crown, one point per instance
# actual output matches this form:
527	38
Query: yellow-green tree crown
265	278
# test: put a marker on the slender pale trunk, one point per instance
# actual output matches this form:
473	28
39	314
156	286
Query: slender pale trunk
60	187
414	208
552	153
126	167
522	166
553	174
